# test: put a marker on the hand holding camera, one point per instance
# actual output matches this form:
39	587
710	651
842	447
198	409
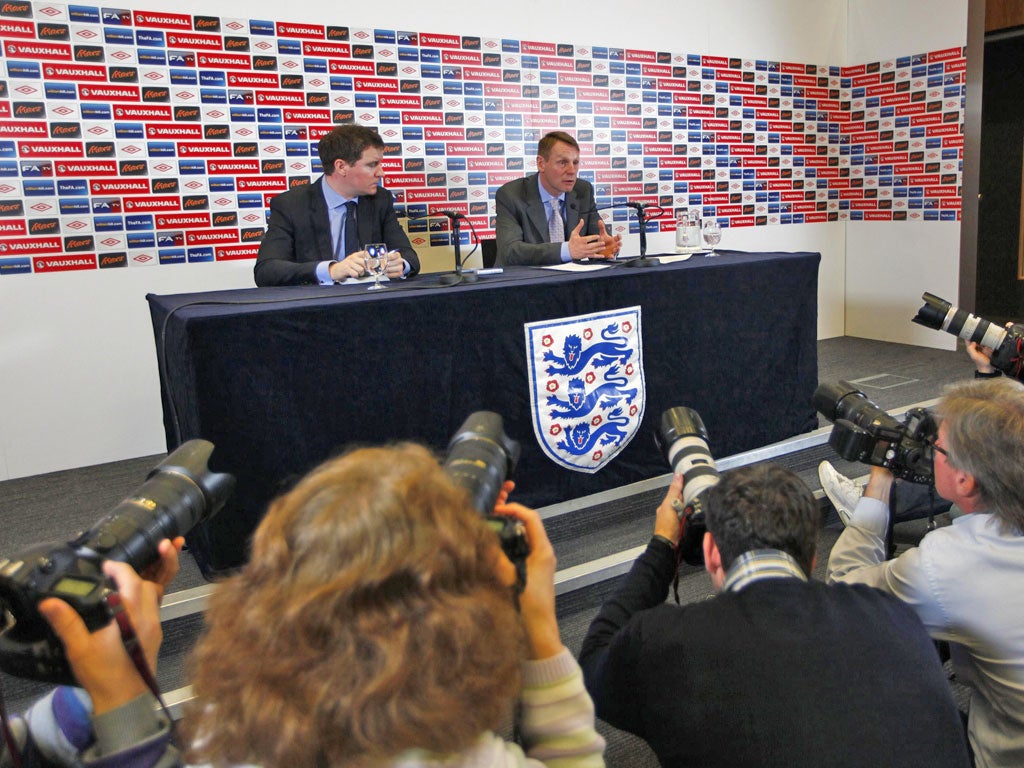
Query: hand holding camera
100	660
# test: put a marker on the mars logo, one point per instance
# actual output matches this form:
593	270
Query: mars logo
409	86
316	99
457	193
156	94
337	33
195	203
133	168
387	69
17	10
565	50
225	219
264	63
245	149
343	116
29	109
88	53
292	81
437	179
454	118
164	186
474	134
587	390
12	208
188	114
272	166
65	130
251	235
206	23
432	102
43	227
298	181
53	31
113	260
79	244
414	164
123	74
362	51
215	131
236	43
511	76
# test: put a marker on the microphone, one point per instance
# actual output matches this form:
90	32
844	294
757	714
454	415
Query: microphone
641	210
454	217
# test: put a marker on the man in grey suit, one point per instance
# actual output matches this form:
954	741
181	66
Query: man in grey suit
316	232
549	217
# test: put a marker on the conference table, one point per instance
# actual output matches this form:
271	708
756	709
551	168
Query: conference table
280	379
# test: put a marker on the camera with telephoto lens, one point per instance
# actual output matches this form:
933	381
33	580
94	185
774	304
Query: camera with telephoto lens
1007	344
479	458
864	432
682	437
179	492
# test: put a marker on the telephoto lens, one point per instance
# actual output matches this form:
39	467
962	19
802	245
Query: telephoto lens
682	437
179	493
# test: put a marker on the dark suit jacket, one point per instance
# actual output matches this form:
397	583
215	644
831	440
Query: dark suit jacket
521	228
299	236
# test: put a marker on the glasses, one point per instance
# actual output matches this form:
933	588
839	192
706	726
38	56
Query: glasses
940	449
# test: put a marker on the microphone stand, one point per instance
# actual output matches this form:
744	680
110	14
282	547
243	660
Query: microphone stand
458	276
456	235
643	261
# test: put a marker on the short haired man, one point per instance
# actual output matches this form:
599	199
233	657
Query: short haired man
550	217
316	232
965	581
777	669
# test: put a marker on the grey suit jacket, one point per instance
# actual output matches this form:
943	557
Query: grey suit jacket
522	223
299	234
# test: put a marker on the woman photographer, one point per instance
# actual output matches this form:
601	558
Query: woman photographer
375	625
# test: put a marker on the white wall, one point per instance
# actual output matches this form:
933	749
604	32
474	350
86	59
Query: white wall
889	264
78	378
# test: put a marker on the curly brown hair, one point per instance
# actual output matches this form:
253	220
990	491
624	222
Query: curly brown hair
369	620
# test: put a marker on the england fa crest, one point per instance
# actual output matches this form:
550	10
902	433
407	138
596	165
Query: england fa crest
586	386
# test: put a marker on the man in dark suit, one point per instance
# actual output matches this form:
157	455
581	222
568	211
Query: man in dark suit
777	670
316	232
530	231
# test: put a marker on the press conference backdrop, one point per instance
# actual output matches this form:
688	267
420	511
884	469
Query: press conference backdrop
153	137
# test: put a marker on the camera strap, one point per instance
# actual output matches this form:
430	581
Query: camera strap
134	649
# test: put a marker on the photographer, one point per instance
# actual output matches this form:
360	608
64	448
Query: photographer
777	669
375	624
964	581
116	723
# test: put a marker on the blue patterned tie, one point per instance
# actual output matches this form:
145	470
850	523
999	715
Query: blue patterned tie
556	227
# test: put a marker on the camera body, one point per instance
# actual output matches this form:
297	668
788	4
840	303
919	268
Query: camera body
1007	344
682	437
180	492
865	433
480	456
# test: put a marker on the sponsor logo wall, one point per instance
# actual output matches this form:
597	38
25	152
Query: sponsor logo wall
135	138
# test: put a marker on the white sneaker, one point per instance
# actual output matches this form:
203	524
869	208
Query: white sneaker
841	490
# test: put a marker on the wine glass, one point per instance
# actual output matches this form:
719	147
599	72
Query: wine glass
376	262
711	231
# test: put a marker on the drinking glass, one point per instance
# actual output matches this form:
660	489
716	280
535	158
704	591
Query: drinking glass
376	262
712	234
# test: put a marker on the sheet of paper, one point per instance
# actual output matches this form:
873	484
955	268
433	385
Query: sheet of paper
577	266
